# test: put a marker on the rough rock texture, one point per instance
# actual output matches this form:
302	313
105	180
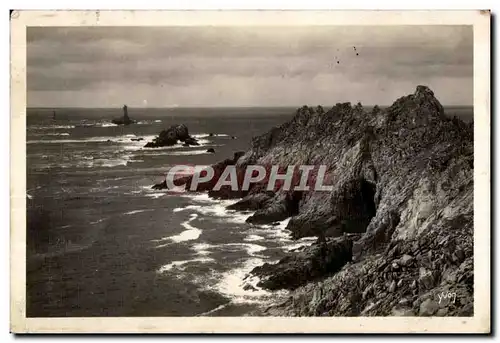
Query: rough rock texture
171	136
402	176
297	269
225	192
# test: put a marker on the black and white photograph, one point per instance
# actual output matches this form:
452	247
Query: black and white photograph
245	170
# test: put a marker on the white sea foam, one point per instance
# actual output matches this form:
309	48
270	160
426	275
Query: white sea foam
253	238
251	249
232	283
202	248
159	150
215	208
181	264
199	197
107	162
188	153
41	134
218	308
191	232
205	135
46	127
83	140
106	124
98	221
138	211
156	195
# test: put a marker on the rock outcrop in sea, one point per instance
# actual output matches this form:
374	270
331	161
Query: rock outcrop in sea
172	136
396	231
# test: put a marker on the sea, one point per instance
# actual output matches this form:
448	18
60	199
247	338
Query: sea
102	242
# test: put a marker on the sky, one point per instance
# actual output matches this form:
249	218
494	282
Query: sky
246	66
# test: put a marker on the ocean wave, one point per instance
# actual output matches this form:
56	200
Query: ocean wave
152	150
138	211
98	221
202	248
274	232
107	162
205	135
181	264
188	153
251	249
84	161
253	238
124	140
156	195
216	208
50	127
106	124
97	124
51	134
191	232
59	141
232	283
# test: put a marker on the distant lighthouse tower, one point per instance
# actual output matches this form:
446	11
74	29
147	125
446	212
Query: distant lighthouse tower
126	119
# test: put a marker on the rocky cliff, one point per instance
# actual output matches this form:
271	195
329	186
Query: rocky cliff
403	177
401	210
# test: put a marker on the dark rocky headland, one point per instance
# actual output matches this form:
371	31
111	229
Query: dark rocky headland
396	232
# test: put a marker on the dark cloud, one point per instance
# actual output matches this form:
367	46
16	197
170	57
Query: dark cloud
83	60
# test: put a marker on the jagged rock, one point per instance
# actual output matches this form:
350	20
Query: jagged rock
405	260
190	141
426	278
428	308
442	312
171	136
403	178
278	208
402	312
249	287
252	202
224	193
211	150
301	267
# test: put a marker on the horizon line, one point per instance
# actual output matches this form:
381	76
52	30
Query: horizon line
214	107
